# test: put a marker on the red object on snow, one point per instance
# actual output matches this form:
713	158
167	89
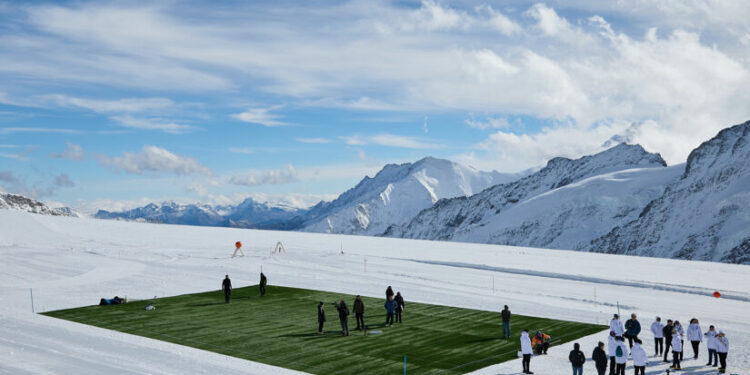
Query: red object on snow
238	244
717	294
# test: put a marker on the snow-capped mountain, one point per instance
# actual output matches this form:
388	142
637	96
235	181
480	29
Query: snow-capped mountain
561	205
21	203
395	195
704	215
248	214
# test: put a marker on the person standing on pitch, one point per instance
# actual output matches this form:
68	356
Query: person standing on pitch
711	343
615	325
722	347
321	318
359	312
695	336
658	330
226	286
667	338
640	359
632	329
676	349
600	358
526	351
262	285
505	314
238	248
388	292
577	359
343	317
390	310
399	306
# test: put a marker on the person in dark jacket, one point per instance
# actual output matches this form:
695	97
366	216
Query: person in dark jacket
359	312
399	306
226	286
321	318
390	309
667	331
505	314
577	359
600	358
632	329
388	292
262	285
343	317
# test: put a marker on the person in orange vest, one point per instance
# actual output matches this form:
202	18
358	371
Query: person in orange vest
540	342
238	247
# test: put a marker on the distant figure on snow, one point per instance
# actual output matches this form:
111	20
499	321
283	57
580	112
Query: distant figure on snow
505	314
722	347
390	310
713	356
321	318
577	359
359	312
238	248
611	349
640	358
621	355
667	338
681	332
632	329
600	358
526	351
343	317
226	286
676	350
695	336
399	306
657	329
262	285
615	325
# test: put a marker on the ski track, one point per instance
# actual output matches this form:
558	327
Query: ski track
72	262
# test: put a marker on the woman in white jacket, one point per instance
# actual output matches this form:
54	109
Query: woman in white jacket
676	349
711	343
639	358
611	346
695	336
621	356
722	346
657	329
526	351
615	325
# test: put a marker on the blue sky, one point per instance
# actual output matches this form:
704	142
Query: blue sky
111	105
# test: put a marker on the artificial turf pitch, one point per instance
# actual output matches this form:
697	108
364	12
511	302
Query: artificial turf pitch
281	329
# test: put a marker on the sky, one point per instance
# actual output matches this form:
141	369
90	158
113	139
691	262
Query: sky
111	105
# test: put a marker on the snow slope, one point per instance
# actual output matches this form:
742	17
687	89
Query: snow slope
395	195
71	262
21	203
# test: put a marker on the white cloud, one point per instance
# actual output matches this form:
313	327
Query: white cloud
260	116
71	152
11	130
265	177
314	140
548	20
489	123
155	160
389	140
157	124
109	106
242	150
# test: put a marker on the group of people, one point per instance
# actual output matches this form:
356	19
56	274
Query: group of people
394	307
226	287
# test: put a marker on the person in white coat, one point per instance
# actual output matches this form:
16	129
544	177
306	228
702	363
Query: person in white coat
526	351
713	356
681	331
722	347
658	330
621	355
640	358
676	350
611	346
695	336
615	325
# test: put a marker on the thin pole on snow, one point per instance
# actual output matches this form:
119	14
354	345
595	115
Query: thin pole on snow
365	264
618	308
493	284
31	293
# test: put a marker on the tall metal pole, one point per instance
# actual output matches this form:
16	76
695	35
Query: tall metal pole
31	293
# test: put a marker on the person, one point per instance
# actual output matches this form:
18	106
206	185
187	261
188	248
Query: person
611	347
722	347
600	358
681	331
621	355
505	314
639	357
667	338
632	329
343	317
615	325
388	292
262	285
399	306
658	330
390	310
695	336
540	342
676	349
321	318
359	312
526	352
577	359
226	286
238	248
711	343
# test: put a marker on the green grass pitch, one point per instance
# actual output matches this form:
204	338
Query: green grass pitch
280	329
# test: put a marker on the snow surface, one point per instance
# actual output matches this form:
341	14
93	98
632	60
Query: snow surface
71	262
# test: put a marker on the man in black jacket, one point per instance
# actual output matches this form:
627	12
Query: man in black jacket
600	358
399	306
667	331
226	286
577	359
343	316
262	285
321	318
359	312
505	314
